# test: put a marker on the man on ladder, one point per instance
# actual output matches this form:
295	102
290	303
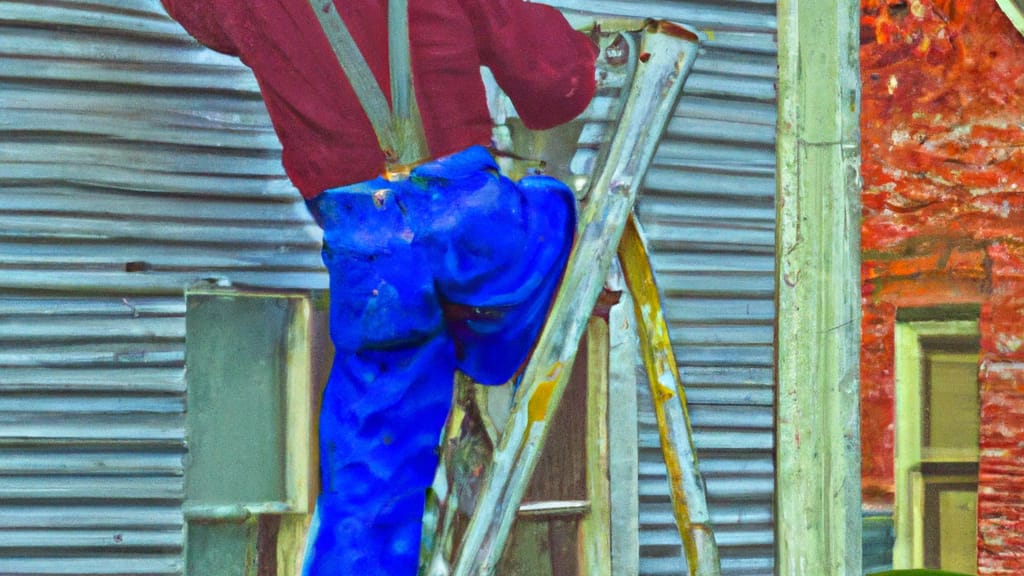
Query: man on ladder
436	261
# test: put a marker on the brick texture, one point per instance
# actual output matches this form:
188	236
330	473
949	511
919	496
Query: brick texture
943	223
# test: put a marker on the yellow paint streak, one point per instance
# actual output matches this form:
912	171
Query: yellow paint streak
665	393
537	409
457	414
675	475
656	348
653	328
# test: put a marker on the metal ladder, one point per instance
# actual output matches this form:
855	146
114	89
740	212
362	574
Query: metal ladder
660	57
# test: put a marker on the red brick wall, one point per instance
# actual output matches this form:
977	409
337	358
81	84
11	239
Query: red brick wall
1001	469
943	165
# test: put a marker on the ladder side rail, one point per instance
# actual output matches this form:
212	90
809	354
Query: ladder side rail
668	53
686	486
439	518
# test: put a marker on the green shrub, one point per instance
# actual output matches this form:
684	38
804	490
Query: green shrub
918	572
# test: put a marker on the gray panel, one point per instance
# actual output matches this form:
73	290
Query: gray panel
236	400
132	164
222	549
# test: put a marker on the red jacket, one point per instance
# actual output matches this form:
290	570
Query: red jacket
545	67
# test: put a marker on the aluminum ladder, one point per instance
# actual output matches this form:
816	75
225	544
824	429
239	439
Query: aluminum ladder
658	58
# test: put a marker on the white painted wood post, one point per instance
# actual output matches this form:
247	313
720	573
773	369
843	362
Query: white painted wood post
818	503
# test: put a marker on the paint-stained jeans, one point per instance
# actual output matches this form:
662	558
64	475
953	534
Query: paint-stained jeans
452	268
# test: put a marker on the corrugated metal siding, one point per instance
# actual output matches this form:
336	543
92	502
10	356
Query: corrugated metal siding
132	163
708	209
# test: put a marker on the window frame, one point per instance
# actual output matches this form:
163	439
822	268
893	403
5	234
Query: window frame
908	479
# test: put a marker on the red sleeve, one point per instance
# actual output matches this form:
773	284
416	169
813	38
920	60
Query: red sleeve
544	66
204	20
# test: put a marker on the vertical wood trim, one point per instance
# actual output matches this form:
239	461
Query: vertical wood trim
596	528
908	439
623	433
917	516
303	372
291	543
818	340
268	530
299	443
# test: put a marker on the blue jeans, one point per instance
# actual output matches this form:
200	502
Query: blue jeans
452	268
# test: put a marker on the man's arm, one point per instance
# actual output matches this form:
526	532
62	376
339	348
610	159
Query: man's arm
206	22
545	67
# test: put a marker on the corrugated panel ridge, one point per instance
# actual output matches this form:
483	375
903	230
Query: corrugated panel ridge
132	164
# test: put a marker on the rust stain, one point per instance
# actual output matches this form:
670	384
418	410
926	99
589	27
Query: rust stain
664	378
672	29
